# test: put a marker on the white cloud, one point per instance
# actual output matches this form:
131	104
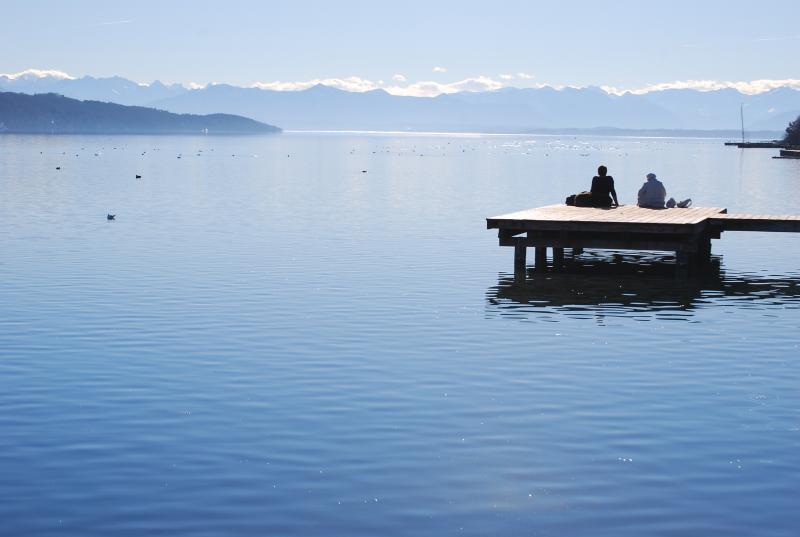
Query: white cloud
38	73
195	85
279	85
751	87
438	69
778	38
417	89
526	76
352	83
399	78
430	88
480	83
111	23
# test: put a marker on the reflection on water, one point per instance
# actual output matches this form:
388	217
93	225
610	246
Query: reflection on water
639	286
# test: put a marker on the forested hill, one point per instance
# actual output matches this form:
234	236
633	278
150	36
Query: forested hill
51	113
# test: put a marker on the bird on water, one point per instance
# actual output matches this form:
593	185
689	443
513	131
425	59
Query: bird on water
110	216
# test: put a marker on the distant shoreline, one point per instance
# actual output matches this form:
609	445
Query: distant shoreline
686	135
143	133
601	132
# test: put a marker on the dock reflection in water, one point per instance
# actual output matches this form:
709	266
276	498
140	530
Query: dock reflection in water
641	286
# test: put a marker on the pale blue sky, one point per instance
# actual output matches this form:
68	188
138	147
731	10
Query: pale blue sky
617	43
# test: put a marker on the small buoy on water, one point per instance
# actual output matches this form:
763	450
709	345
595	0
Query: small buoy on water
58	167
138	176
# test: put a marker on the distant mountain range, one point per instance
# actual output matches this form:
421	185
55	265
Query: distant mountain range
504	110
51	113
112	89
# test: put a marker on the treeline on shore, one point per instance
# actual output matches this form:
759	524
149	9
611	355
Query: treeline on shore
50	113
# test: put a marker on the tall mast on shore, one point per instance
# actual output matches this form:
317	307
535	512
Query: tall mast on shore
741	116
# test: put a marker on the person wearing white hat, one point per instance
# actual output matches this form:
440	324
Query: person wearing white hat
652	194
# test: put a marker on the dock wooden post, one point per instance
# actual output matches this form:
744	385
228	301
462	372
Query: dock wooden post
577	251
519	262
558	258
541	258
682	263
704	251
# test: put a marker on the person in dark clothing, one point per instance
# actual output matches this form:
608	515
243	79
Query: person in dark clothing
603	189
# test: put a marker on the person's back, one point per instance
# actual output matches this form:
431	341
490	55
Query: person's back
603	189
652	194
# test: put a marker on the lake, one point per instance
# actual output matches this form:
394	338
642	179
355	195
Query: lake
315	335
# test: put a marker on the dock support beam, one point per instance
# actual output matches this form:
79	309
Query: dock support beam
704	251
577	251
519	262
541	258
558	258
682	261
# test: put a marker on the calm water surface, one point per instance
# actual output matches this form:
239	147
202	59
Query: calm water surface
308	335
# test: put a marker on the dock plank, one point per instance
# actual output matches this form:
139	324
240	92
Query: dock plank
626	216
757	222
630	217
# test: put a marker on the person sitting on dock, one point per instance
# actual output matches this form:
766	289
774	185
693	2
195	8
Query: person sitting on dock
603	189
652	194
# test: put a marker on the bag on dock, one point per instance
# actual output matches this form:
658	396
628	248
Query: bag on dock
583	199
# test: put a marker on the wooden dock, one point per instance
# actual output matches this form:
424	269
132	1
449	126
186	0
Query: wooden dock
771	144
687	232
789	153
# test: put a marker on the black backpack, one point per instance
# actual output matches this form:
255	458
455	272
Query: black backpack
581	199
